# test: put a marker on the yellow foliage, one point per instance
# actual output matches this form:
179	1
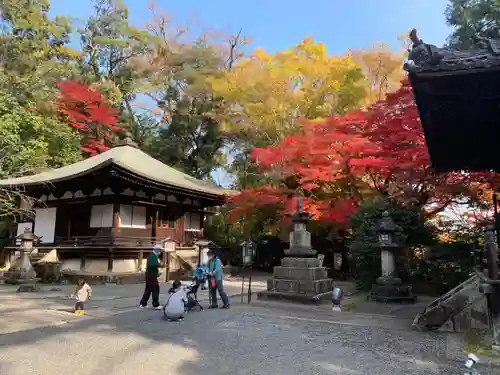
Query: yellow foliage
383	70
266	95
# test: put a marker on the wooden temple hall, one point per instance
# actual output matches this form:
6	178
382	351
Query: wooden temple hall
103	214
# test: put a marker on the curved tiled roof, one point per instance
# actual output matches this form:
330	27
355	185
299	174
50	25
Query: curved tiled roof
427	58
128	158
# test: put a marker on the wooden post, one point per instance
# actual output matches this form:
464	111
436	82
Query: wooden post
250	286
110	259
494	298
167	266
116	222
82	260
154	225
140	260
242	284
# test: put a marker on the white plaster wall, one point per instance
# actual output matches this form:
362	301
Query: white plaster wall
124	265
70	265
101	265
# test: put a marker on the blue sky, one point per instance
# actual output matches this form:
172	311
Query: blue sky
278	24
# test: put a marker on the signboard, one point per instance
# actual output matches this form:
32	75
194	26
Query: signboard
169	246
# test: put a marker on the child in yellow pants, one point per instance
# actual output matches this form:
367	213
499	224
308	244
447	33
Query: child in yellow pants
82	295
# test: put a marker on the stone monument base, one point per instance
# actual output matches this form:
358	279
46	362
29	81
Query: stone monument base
300	280
27	281
390	289
305	299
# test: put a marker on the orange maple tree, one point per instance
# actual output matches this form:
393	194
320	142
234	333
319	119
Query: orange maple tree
338	162
86	110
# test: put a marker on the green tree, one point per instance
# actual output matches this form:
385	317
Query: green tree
187	135
29	143
472	20
109	44
33	51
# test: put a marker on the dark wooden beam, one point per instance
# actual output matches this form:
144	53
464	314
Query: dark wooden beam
116	219
82	259
154	224
140	260
110	259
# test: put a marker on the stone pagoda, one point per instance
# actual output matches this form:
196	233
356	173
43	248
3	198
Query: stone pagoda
301	276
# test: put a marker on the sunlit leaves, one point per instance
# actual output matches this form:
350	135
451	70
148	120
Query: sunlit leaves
266	95
85	110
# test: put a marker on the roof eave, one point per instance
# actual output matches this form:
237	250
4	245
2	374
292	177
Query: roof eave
211	195
102	165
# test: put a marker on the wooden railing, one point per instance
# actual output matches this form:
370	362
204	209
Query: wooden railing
104	241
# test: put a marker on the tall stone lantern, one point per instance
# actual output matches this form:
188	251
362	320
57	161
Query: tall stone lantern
388	287
22	272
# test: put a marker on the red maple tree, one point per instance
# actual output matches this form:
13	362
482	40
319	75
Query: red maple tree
338	162
86	110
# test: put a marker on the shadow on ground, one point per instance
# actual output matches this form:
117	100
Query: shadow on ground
243	340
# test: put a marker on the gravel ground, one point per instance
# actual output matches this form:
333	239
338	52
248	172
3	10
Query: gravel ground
243	340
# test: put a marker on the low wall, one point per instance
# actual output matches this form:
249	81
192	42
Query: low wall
101	265
182	261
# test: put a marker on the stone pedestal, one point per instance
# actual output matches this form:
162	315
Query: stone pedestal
389	288
22	274
300	278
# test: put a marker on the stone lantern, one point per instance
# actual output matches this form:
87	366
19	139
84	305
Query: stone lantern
22	272
248	249
388	287
387	231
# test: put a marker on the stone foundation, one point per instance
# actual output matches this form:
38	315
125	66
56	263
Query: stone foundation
392	293
299	280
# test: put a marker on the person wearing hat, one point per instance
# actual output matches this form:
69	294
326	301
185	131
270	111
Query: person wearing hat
215	273
152	273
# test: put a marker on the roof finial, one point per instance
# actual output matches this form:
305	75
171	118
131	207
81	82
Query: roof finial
128	141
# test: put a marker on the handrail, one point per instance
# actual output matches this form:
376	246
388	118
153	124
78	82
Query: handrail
485	278
105	240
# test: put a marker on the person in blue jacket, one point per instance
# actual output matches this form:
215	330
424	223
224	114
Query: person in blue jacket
216	281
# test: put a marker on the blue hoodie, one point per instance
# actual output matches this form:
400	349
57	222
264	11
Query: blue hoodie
215	269
199	273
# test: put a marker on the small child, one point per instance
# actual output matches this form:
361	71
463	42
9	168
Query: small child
175	307
200	275
82	295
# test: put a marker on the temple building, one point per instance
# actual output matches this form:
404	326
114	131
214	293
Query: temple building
103	213
456	93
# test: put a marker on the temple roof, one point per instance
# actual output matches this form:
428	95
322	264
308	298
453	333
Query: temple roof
457	97
427	58
128	158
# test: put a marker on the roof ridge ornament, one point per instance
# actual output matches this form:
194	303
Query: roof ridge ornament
427	58
127	141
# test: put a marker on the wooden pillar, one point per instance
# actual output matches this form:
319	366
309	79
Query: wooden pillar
82	260
167	265
139	260
491	251
110	259
154	225
116	221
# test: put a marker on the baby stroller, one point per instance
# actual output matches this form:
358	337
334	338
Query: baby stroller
192	303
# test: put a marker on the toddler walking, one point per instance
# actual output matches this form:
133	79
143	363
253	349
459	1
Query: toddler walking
82	295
